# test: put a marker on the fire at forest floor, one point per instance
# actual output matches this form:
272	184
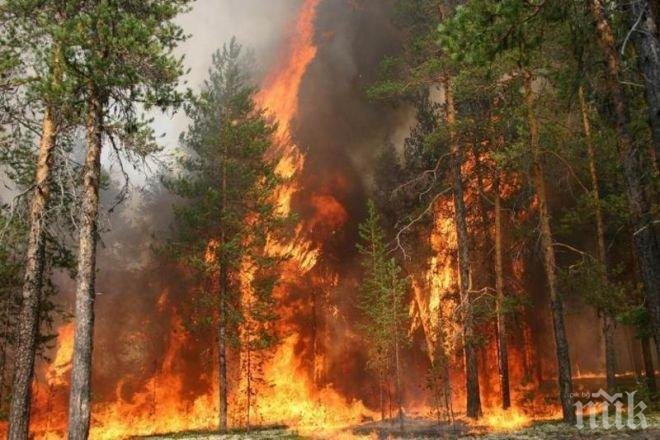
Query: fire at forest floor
427	429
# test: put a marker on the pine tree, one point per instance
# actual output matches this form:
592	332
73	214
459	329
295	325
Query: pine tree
34	77
642	21
424	66
382	300
229	214
26	30
636	171
123	63
510	33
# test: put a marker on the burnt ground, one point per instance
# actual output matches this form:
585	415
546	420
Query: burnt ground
546	430
427	429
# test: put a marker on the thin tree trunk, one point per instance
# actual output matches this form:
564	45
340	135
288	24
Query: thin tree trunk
249	383
79	399
222	323
649	371
502	350
399	387
632	352
547	244
381	395
3	364
644	35
397	354
634	170
28	322
222	373
471	368
389	403
609	324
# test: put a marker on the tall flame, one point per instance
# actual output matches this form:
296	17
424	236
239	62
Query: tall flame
291	396
280	92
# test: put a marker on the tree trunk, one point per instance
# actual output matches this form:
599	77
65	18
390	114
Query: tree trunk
381	395
631	346
28	322
645	39
471	368
222	372
649	371
634	170
547	244
609	324
502	351
249	383
222	322
79	400
399	386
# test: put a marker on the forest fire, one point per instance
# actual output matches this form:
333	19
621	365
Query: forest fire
404	230
287	394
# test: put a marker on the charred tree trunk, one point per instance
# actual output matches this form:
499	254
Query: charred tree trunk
649	371
471	368
249	383
608	320
634	170
547	244
502	350
79	399
644	34
28	322
222	368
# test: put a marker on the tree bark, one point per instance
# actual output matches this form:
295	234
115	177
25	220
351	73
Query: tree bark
609	324
249	382
547	244
635	171
471	368
399	386
644	34
28	323
79	399
381	395
222	321
222	371
502	351
649	371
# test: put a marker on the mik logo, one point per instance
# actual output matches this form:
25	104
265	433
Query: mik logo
612	411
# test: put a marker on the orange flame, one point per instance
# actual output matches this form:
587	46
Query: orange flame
290	395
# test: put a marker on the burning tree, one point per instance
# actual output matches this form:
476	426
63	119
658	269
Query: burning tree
121	57
31	66
228	216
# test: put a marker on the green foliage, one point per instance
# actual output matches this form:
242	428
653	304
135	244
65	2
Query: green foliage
228	211
481	30
402	77
637	318
382	296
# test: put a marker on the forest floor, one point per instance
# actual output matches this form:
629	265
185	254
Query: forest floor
427	429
